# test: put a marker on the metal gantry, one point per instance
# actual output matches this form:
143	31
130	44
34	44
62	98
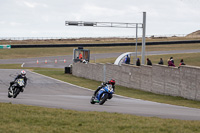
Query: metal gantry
117	25
103	24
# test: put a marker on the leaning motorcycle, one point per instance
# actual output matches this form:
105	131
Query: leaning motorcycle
16	88
102	95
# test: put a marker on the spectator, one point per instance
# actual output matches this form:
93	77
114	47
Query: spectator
161	62
127	60
138	62
170	63
80	56
149	62
171	59
181	62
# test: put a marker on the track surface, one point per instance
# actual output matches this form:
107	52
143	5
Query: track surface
32	62
48	92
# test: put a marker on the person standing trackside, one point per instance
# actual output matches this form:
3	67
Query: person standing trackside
127	60
80	56
138	62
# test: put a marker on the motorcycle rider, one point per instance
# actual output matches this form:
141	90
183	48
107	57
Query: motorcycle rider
110	82
20	76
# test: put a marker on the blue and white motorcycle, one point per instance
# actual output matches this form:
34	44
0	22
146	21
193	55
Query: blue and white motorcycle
102	95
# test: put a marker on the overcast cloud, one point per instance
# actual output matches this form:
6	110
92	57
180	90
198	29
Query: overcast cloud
46	18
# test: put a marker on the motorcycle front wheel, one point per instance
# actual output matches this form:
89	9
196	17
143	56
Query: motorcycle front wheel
103	99
16	92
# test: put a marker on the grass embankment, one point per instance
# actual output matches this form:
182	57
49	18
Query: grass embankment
30	119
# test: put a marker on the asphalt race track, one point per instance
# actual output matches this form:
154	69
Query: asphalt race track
32	62
48	92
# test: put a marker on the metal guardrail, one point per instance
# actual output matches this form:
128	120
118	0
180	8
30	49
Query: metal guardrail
102	44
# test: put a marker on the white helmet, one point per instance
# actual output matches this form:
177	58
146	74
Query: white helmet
23	73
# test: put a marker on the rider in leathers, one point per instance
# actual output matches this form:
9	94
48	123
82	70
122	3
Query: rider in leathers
111	82
20	76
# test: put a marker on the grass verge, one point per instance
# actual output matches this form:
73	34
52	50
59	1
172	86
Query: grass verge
32	119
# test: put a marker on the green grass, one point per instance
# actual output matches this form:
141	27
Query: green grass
30	119
33	52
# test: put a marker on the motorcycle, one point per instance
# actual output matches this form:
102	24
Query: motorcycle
16	88
102	95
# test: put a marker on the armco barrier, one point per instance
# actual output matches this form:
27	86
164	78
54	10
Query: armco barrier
102	45
5	46
160	79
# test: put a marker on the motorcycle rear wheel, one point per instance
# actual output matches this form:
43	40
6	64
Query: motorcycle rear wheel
9	96
92	100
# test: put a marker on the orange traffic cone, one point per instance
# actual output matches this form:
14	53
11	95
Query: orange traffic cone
56	60
37	61
45	61
64	61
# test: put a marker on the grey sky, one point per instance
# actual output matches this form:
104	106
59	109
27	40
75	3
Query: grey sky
46	18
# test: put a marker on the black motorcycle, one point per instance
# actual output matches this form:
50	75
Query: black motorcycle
16	88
